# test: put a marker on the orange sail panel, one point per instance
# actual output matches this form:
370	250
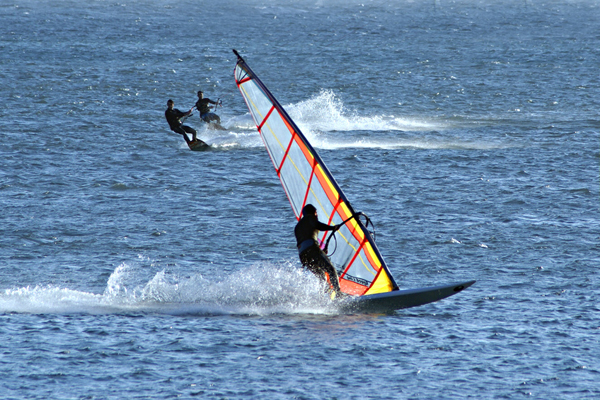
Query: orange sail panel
306	180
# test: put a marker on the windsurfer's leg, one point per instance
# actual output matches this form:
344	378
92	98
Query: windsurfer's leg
309	260
318	263
319	273
326	266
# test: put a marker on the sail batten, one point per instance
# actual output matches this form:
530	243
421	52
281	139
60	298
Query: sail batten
306	180
285	156
265	118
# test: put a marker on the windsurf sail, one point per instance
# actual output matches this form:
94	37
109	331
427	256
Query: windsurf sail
306	180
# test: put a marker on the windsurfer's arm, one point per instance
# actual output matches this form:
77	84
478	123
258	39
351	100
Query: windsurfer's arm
324	227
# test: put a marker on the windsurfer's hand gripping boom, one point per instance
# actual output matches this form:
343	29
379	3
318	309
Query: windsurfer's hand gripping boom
338	226
356	215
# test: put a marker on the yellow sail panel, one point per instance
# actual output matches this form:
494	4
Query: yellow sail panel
307	180
382	284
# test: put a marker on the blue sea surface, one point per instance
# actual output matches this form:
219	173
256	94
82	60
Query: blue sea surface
132	267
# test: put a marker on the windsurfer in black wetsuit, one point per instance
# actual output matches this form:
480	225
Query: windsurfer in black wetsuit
173	116
204	109
311	255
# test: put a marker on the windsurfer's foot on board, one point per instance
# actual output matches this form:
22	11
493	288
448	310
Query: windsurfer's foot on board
174	117
311	255
203	106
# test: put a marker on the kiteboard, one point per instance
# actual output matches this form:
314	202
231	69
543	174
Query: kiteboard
197	145
399	299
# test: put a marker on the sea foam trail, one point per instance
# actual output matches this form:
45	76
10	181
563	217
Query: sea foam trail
326	112
328	124
257	290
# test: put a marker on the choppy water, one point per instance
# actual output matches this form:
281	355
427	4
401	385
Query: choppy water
131	267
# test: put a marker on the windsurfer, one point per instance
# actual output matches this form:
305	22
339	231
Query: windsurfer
311	255
174	116
203	106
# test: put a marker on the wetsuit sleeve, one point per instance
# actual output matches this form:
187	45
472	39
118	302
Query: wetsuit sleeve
307	228
324	227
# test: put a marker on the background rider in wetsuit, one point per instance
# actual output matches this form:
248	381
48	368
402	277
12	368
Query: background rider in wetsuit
173	116
311	255
204	109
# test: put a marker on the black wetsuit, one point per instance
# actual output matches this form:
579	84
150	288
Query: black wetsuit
204	110
311	255
173	115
